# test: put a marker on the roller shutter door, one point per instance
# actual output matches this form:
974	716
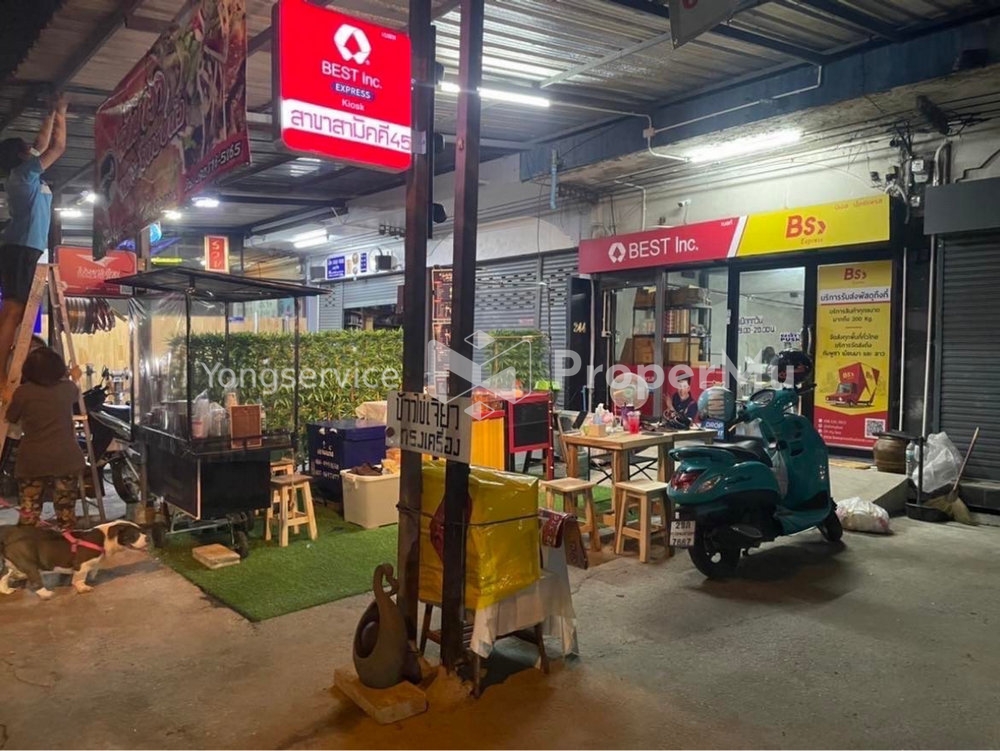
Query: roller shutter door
376	290
331	309
970	358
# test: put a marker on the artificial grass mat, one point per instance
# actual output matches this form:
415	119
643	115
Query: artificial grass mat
274	581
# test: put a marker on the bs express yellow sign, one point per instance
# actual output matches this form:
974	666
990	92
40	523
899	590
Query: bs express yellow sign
831	225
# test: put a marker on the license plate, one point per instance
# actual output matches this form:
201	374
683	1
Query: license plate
682	534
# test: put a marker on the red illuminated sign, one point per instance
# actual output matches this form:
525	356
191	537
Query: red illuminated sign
343	86
217	253
82	276
692	243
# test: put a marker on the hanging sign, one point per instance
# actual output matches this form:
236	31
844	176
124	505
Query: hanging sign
691	18
82	276
853	331
425	425
863	221
217	253
342	86
174	124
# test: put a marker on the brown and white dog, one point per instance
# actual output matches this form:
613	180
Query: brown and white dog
28	552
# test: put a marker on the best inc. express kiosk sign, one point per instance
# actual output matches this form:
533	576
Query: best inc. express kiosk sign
343	87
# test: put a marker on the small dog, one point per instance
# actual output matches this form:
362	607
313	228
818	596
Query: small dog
28	552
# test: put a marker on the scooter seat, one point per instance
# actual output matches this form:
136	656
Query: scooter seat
746	451
122	411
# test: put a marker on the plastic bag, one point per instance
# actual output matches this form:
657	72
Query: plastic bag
859	515
941	463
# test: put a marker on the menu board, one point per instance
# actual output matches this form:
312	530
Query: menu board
441	297
854	329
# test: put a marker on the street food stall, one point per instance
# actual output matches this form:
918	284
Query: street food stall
200	425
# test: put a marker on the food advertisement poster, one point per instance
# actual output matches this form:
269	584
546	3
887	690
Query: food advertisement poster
174	124
853	329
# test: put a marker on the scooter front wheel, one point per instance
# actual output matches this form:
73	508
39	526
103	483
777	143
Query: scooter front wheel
713	562
831	528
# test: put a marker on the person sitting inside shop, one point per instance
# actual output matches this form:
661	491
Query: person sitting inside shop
683	407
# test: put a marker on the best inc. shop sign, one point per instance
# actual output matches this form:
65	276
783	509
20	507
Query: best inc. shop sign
343	87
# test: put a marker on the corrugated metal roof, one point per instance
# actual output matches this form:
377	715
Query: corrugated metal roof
581	53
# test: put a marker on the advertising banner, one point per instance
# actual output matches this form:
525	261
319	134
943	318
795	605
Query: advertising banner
861	221
853	337
689	18
82	276
174	124
342	87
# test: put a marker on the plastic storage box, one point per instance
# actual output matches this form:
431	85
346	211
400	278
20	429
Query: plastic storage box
336	445
370	501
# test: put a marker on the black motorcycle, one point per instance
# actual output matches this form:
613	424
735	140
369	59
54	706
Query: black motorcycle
111	432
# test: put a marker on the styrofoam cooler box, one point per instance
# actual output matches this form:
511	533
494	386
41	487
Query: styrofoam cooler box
370	501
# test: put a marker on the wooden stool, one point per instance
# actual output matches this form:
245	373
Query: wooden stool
286	490
642	495
568	489
283	466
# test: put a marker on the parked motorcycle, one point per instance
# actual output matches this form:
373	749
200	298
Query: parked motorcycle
111	431
731	497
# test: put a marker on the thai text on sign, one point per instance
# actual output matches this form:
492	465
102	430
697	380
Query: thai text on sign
421	423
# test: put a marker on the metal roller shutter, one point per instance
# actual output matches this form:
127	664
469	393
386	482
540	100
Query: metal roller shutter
331	309
970	358
556	272
376	290
507	295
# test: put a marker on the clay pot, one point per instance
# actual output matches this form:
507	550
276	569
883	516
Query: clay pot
383	656
890	454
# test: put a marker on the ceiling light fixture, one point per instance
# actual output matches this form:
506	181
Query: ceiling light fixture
89	196
746	146
70	213
498	95
310	242
173	215
310	235
206	202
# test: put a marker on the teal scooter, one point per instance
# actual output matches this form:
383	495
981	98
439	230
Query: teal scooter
730	497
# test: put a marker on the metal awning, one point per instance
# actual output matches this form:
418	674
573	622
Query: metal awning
216	287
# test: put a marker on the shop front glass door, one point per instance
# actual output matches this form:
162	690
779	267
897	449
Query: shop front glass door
771	317
631	331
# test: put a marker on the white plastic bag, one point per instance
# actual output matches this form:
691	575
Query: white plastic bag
858	515
941	463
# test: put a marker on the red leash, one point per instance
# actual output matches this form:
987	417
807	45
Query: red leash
74	542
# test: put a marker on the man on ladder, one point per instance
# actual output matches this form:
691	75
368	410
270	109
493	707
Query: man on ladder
29	201
23	282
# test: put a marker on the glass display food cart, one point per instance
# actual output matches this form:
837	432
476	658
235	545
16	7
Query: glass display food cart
198	417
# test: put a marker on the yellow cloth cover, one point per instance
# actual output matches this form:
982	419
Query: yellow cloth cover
502	548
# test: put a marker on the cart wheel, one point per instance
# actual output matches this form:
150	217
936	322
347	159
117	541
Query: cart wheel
159	534
241	543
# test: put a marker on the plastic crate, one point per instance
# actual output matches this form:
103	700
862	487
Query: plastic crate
370	501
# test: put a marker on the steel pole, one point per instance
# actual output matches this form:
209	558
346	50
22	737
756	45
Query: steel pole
414	305
470	73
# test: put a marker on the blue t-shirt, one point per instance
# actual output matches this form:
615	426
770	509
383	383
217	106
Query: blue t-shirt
29	202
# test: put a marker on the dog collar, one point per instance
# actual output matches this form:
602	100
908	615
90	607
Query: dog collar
75	542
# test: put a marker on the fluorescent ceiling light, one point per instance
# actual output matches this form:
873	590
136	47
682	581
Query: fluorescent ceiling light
310	235
498	95
89	196
310	242
173	215
70	213
514	97
309	160
746	146
206	202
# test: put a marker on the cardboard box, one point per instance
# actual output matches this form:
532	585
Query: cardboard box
685	351
643	351
687	296
677	322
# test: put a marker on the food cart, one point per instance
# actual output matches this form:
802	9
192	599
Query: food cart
206	452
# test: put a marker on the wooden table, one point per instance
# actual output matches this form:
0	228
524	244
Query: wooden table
619	445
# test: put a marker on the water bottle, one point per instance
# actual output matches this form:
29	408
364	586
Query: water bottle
911	458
